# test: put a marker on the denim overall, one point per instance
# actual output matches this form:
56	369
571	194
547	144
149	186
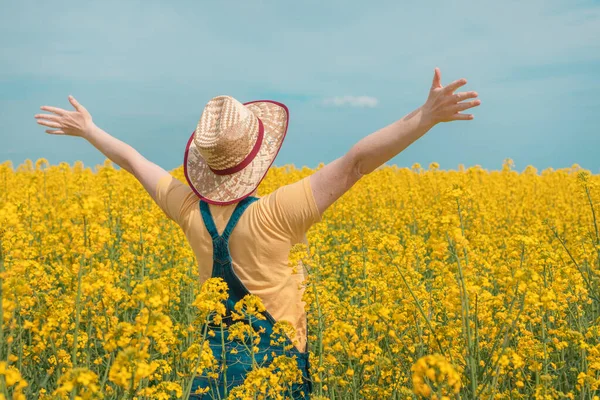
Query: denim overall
240	363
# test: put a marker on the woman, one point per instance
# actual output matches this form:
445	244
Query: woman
226	157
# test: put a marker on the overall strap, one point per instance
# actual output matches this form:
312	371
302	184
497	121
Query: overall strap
237	213
233	220
221	257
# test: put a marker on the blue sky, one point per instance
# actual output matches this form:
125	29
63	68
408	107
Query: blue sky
145	70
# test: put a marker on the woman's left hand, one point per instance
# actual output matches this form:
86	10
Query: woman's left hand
443	105
72	123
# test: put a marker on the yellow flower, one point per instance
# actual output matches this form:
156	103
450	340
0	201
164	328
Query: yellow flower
458	274
250	306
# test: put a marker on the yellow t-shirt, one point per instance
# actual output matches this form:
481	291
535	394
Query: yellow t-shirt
259	244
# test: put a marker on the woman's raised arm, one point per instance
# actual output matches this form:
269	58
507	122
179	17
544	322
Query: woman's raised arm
442	105
79	123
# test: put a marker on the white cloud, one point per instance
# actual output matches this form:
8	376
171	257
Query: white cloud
351	101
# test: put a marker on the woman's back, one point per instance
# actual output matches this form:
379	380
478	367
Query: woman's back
259	244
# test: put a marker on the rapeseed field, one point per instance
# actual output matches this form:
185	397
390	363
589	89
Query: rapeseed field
424	283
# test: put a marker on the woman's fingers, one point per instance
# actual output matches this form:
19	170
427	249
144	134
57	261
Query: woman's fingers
444	105
49	117
459	116
76	104
50	120
55	132
55	110
454	85
465	105
72	123
51	124
463	96
437	79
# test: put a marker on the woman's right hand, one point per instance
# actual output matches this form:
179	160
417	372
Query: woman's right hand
443	106
72	123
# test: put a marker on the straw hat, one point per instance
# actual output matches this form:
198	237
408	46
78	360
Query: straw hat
233	147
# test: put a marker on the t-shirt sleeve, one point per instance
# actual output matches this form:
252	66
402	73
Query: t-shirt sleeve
292	209
175	198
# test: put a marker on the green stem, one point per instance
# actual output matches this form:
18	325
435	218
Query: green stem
251	341
78	299
466	321
589	197
1	298
591	291
224	360
419	307
504	346
320	329
188	388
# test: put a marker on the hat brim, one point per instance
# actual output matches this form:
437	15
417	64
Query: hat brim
229	189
